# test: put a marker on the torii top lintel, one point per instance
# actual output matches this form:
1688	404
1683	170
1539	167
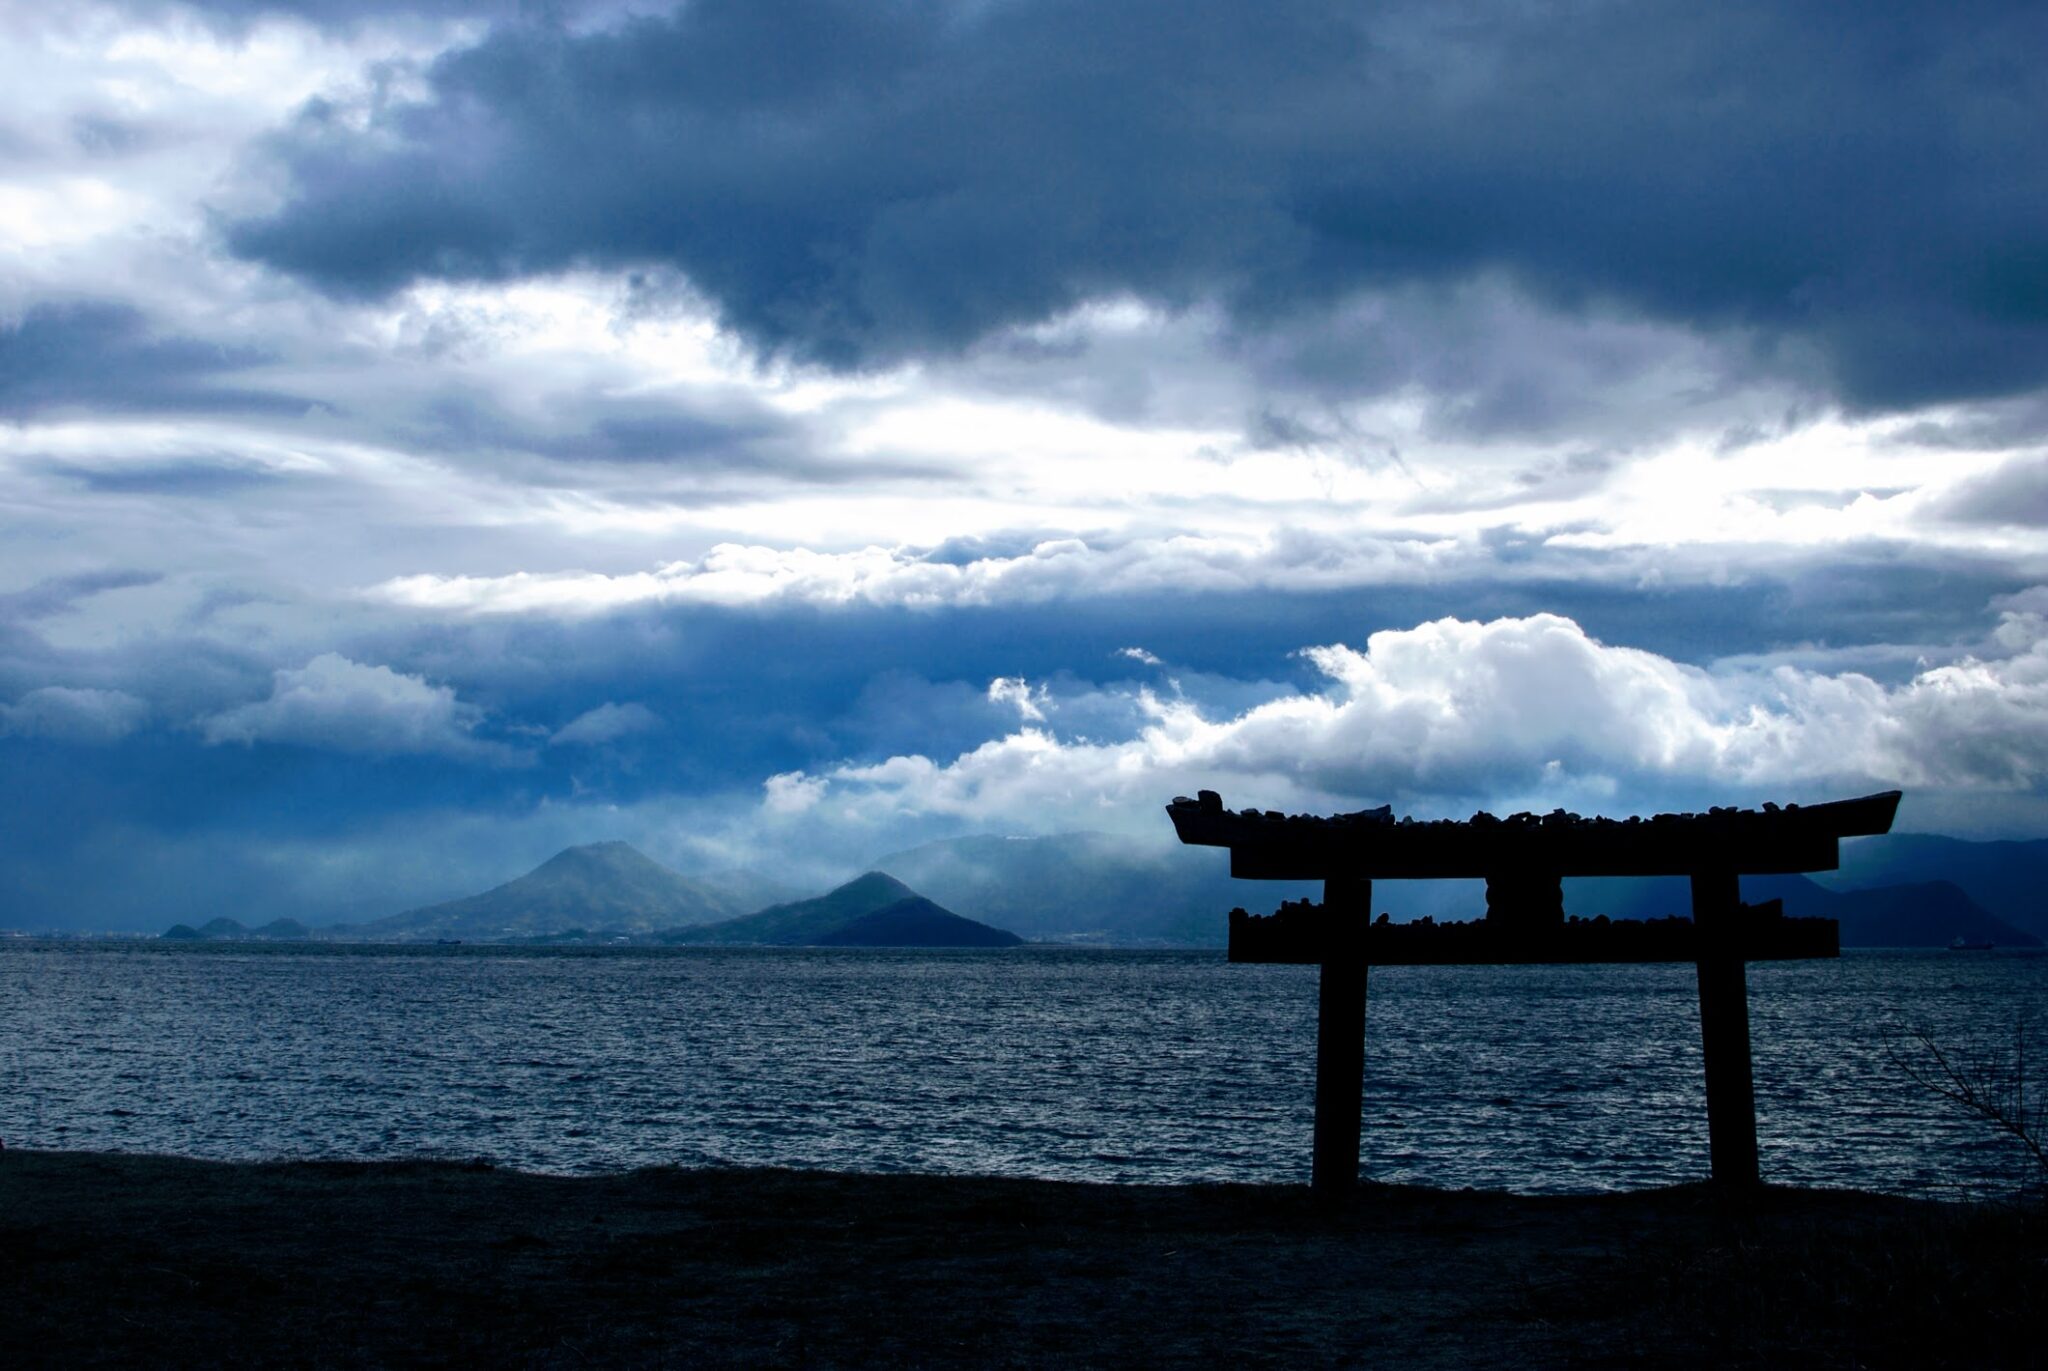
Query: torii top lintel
1372	845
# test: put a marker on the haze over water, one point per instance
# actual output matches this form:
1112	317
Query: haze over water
1104	1066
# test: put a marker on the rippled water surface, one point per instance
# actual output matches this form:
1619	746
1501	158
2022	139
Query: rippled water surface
1123	1066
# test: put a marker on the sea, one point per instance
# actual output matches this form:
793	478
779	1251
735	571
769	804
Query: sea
1075	1064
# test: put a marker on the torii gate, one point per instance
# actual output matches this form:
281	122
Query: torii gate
1522	860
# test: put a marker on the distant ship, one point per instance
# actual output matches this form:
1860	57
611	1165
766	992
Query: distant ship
1965	945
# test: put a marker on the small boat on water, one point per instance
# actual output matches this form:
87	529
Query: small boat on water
1965	945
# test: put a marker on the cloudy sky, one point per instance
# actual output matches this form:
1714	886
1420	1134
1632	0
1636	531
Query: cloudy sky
777	433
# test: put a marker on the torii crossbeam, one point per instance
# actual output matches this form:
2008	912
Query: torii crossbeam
1523	859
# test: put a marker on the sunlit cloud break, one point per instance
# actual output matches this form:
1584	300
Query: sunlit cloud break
734	574
1453	712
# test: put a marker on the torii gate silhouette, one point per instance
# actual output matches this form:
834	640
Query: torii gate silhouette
1522	860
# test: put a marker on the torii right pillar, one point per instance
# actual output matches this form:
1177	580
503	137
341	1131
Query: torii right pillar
1724	1028
1340	1035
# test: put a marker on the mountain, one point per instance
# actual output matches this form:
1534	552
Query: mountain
611	887
917	922
1089	886
873	910
2009	879
800	921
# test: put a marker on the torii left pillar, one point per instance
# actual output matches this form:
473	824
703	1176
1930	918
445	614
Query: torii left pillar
1340	1035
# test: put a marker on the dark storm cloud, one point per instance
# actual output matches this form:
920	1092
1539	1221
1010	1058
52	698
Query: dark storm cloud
1854	192
2015	423
660	438
2014	495
239	14
703	446
58	594
588	427
102	356
101	135
181	673
191	477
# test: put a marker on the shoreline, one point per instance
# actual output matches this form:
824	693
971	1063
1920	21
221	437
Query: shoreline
119	1259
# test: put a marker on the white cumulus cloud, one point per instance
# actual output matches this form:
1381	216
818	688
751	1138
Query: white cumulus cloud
1452	713
792	792
348	706
1018	693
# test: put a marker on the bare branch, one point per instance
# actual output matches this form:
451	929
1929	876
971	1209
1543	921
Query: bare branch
1992	1086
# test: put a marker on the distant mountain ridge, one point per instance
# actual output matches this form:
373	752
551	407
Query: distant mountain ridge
2009	878
1922	914
612	892
1097	886
1094	887
1926	914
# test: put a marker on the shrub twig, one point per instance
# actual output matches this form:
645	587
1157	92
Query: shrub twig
1991	1086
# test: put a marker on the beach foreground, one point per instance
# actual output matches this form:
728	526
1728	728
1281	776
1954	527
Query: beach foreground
110	1259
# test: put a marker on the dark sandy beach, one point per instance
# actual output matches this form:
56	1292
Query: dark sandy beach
133	1260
